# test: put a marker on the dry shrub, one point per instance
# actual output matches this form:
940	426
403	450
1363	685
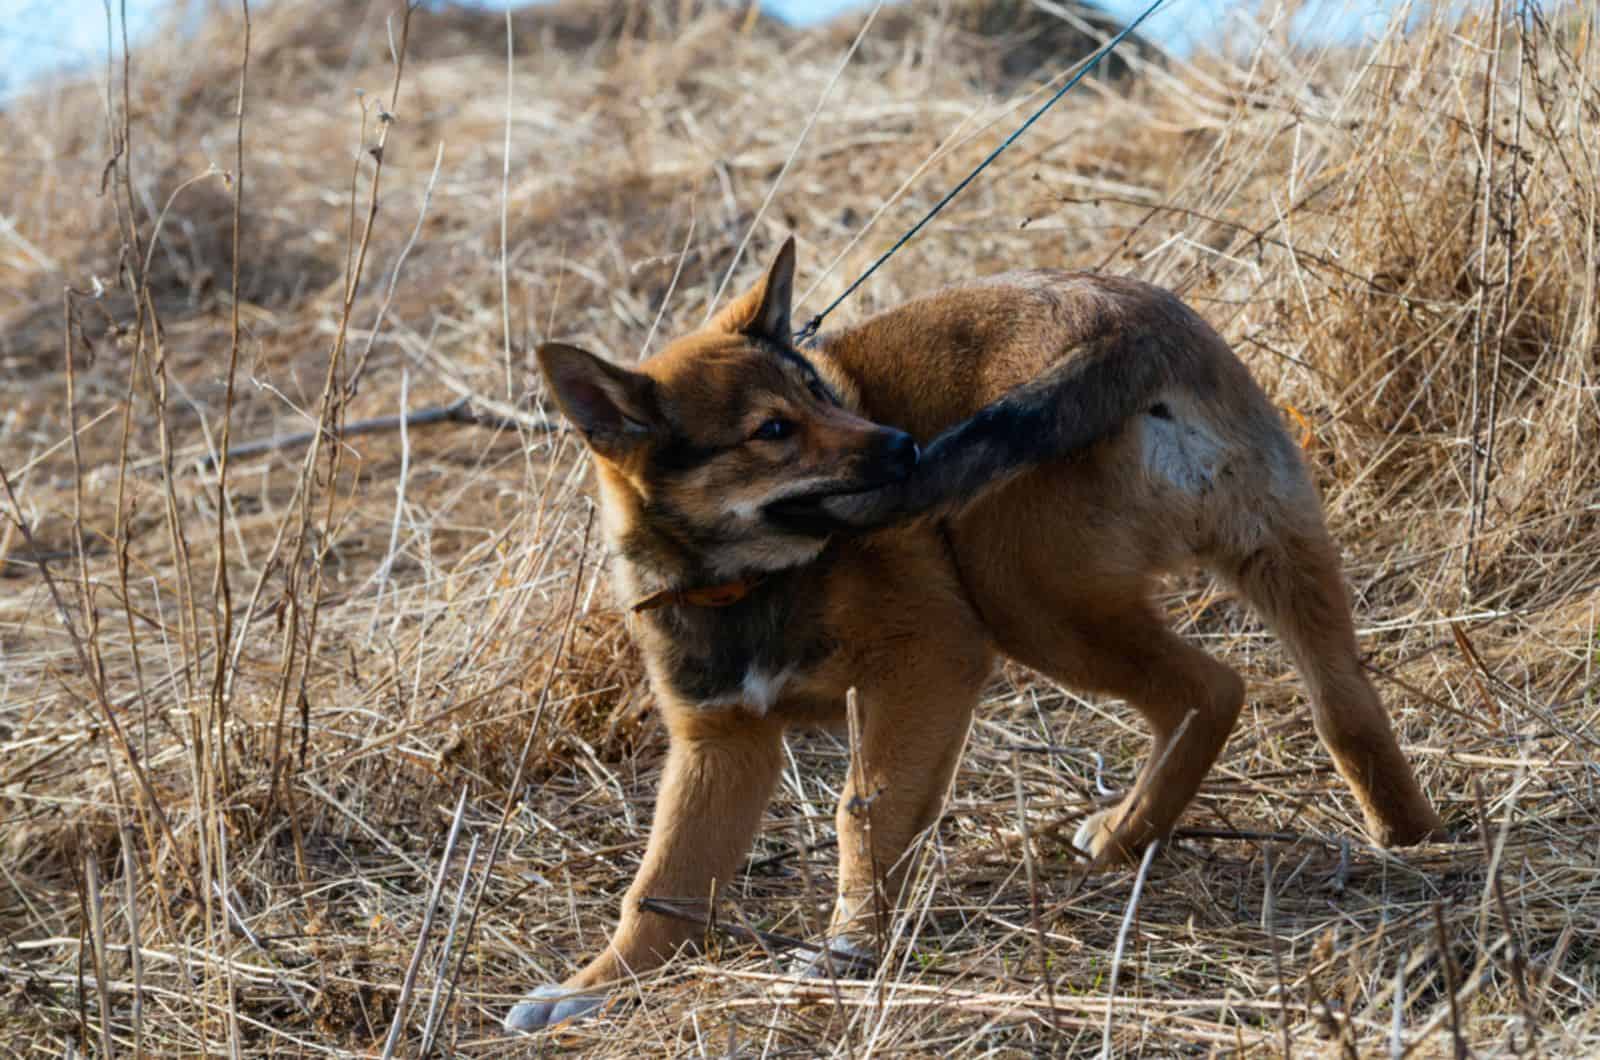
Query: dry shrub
1400	237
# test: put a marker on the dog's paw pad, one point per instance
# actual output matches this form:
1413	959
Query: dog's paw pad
547	1005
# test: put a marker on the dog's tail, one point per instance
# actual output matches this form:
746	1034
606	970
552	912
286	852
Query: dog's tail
1072	405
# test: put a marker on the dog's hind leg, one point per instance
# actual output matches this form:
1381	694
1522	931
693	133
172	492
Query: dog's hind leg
1294	581
1189	700
720	772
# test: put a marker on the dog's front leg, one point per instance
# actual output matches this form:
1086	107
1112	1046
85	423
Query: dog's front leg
720	772
911	735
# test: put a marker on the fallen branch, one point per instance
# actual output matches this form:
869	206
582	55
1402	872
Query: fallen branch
460	410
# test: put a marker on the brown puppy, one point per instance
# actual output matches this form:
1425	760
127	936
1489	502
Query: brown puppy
781	542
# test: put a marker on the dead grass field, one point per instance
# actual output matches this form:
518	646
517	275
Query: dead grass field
239	701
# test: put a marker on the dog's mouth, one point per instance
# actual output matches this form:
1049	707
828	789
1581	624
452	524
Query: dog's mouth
805	514
892	460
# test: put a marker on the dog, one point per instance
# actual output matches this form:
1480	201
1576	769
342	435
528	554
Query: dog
1003	468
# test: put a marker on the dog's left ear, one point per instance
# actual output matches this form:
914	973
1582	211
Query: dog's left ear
763	310
614	409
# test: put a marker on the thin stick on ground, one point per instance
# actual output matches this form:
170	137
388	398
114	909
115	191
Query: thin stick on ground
97	936
380	580
430	1025
130	910
1034	915
1493	850
1122	941
403	1006
1269	925
461	411
1397	1012
1447	965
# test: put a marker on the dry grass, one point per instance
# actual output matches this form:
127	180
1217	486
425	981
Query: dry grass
254	788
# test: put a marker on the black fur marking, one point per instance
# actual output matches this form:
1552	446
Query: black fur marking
718	647
679	454
1160	411
814	382
804	517
793	356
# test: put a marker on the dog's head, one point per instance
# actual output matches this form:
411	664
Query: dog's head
728	441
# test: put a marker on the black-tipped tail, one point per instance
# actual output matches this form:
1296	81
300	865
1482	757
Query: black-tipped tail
1068	408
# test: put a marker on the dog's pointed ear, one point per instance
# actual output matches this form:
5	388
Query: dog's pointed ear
763	310
614	409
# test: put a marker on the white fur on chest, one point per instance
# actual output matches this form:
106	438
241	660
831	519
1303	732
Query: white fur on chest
758	693
761	689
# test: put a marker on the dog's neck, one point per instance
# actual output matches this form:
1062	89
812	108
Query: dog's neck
657	561
664	581
736	654
725	594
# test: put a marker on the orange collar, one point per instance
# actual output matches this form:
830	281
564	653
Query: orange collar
725	595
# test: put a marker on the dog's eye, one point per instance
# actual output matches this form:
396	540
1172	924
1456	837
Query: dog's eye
774	430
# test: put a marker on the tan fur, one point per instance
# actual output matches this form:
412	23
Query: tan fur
1054	569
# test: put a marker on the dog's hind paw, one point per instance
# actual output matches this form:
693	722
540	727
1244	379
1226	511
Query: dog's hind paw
548	1005
1092	835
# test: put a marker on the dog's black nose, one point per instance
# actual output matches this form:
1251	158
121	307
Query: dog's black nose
901	453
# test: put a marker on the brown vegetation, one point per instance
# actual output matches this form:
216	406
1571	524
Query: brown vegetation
255	787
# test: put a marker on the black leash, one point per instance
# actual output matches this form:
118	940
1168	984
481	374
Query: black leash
815	323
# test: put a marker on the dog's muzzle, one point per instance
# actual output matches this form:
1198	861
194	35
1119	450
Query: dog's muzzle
891	462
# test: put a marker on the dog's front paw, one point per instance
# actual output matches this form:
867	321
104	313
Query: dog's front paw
548	1005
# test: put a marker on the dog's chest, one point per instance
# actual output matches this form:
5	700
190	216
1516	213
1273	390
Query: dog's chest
758	692
742	657
742	673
